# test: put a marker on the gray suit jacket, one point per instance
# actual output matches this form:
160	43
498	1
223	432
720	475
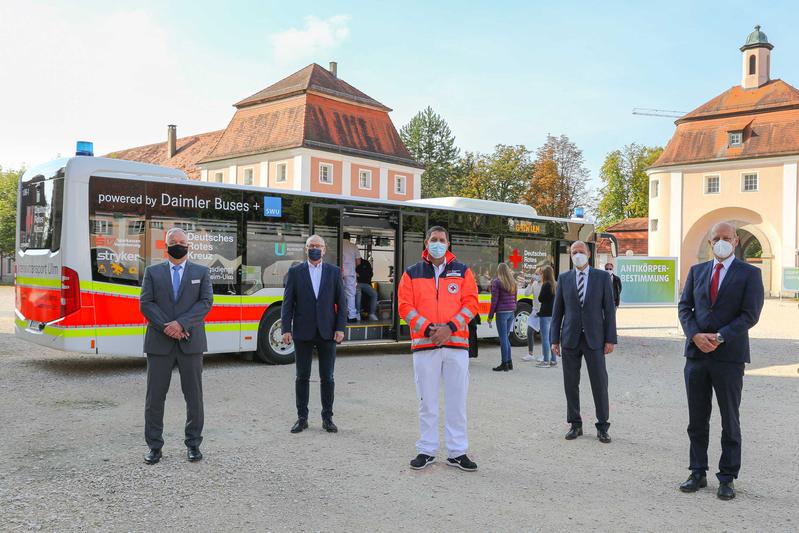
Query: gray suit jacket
157	304
596	317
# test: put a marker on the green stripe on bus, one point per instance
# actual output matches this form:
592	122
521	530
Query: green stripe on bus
39	282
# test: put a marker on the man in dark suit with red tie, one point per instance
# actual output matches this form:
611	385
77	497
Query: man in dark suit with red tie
721	301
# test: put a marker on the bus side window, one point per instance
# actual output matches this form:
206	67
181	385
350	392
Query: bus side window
272	248
480	253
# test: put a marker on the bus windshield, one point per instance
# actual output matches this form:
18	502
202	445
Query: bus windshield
40	212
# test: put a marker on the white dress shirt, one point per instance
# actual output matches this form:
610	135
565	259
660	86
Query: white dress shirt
438	270
316	276
723	272
349	257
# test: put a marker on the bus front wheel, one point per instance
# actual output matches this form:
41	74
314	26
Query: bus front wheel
518	333
271	348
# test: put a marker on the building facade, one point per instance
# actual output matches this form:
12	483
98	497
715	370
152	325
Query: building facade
310	131
735	159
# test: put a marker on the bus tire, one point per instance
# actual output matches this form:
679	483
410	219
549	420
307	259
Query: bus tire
518	333
271	349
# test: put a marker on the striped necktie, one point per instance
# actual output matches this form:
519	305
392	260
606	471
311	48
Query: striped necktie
581	286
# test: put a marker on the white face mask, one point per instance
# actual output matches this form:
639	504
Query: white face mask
723	249
580	260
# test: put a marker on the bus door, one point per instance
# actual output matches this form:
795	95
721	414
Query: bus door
413	226
372	232
564	258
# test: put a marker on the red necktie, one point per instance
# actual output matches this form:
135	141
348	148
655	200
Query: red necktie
714	283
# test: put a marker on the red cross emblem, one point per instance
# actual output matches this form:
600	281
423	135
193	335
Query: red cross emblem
515	258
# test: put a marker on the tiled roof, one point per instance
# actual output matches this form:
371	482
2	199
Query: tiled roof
189	150
629	224
768	116
312	78
312	121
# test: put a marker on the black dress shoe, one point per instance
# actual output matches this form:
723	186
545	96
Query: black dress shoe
503	367
574	432
193	454
510	365
153	456
726	491
695	482
299	425
603	436
329	426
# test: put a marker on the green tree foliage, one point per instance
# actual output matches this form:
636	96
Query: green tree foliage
625	193
9	179
558	179
430	141
502	176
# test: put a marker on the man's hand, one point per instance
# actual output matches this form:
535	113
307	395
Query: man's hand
338	336
174	330
440	334
287	338
556	349
609	347
706	342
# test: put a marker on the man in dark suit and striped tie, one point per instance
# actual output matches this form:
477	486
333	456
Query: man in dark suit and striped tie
584	321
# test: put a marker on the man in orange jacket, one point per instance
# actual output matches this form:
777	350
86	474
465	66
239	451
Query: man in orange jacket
437	299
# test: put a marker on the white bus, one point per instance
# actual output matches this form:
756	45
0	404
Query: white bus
87	227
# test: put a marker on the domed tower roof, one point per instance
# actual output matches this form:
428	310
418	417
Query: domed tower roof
757	39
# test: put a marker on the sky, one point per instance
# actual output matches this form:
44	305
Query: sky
500	72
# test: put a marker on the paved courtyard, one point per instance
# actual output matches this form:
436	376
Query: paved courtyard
72	444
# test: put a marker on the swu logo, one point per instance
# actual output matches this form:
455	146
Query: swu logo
280	248
273	206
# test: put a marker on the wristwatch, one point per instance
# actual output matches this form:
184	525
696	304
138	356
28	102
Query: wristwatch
719	338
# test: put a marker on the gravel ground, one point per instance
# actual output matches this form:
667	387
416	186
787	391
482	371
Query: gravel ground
71	440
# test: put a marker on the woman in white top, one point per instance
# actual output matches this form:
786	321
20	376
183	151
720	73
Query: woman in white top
532	289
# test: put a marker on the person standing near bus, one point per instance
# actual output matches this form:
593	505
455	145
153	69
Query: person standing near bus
437	298
503	304
584	321
616	281
349	259
313	316
533	323
546	300
176	295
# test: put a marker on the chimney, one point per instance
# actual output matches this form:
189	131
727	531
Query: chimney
171	140
333	69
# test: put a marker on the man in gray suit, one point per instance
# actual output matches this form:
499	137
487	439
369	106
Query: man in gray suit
175	297
584	321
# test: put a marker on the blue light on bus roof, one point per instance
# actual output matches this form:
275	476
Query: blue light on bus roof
85	148
579	212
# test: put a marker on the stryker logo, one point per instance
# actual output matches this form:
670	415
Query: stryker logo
280	248
108	255
273	206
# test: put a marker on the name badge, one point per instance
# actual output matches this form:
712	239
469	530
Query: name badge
195	281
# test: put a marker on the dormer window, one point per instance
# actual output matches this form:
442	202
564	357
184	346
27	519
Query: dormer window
735	138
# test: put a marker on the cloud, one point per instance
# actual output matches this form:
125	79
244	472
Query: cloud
315	37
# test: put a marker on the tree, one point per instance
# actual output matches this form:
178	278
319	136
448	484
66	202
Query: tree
9	180
502	176
430	141
625	193
558	179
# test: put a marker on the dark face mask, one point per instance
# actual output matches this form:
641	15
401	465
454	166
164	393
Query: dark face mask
178	251
314	254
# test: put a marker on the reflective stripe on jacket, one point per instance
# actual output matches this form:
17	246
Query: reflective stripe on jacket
453	303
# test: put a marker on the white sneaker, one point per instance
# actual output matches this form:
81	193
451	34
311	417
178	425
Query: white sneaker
540	359
373	317
528	358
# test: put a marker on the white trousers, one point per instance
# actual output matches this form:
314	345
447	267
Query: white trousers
429	367
349	292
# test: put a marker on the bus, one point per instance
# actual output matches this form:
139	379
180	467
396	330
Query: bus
87	227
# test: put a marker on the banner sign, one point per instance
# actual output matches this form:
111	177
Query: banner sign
790	279
647	281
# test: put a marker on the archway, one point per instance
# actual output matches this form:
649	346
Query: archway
757	240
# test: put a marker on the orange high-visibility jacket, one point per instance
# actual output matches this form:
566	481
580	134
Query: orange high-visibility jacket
453	303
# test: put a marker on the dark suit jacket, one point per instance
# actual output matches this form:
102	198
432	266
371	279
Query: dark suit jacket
737	309
303	314
157	304
596	317
616	289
